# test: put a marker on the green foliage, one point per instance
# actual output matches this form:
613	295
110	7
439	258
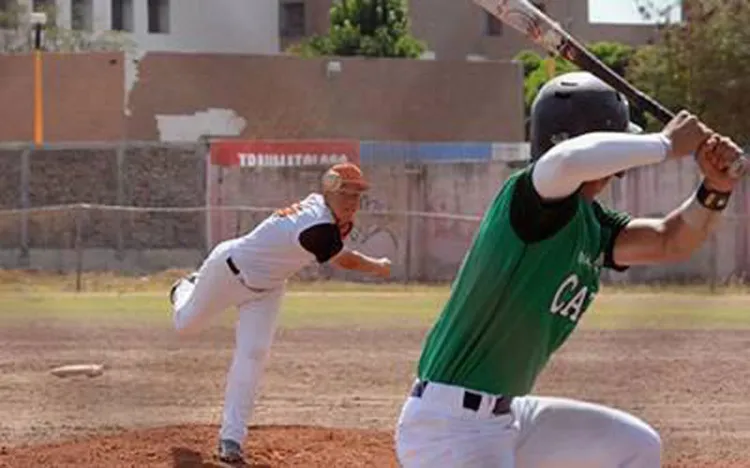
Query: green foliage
530	61
617	56
534	81
538	69
703	66
369	28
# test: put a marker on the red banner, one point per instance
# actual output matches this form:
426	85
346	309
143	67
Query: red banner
278	153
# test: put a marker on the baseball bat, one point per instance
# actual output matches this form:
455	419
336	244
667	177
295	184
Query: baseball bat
526	18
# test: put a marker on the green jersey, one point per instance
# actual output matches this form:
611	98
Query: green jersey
532	271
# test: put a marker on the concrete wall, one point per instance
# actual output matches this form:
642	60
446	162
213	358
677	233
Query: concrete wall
378	99
83	97
431	248
179	97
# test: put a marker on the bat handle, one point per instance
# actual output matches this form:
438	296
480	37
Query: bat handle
739	168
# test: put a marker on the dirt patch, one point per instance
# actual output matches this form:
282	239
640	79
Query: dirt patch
270	446
157	401
194	446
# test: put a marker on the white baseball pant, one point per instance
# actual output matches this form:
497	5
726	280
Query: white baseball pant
216	289
539	432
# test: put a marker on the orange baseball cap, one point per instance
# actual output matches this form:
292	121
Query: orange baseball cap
345	177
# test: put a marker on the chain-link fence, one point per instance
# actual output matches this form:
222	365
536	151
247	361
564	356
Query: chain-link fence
141	207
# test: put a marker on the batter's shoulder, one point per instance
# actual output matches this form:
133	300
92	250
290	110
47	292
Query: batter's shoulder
533	218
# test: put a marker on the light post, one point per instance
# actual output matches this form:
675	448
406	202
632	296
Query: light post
38	21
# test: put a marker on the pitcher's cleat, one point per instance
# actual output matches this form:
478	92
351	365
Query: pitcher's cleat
182	284
230	451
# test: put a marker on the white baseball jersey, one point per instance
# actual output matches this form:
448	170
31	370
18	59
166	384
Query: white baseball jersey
287	241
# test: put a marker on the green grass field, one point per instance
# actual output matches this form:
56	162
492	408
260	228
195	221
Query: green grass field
118	300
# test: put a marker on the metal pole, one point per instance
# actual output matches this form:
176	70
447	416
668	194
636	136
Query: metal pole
78	247
38	88
120	216
24	258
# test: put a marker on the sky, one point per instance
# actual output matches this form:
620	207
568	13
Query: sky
625	11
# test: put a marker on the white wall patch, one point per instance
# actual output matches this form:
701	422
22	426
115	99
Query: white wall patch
188	128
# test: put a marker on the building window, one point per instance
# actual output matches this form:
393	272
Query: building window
158	16
81	15
493	26
292	19
122	15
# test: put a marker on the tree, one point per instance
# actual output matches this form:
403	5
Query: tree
369	28
538	69
16	35
702	65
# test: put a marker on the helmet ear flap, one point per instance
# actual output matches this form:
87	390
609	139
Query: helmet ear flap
332	181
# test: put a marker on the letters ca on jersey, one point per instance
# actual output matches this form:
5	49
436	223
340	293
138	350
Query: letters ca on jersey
574	294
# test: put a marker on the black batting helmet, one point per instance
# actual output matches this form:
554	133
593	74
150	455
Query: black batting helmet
573	104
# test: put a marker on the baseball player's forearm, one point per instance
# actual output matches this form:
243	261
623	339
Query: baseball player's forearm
353	260
673	238
594	156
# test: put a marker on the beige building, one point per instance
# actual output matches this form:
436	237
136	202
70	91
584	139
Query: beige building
185	26
458	29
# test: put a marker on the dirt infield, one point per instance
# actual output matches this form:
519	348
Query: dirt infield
159	400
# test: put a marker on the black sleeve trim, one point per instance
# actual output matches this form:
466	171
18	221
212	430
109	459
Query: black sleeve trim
322	240
535	219
616	226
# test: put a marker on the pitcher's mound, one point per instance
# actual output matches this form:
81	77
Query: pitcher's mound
269	447
195	446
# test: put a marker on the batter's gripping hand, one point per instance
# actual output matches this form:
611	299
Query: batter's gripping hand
686	133
714	158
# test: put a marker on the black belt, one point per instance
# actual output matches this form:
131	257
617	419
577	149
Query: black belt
472	401
236	271
232	266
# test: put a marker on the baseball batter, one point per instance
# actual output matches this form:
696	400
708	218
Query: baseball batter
250	272
528	279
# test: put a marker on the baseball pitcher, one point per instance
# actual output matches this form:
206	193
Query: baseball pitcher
250	273
529	277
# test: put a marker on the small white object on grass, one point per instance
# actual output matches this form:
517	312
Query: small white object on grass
89	370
